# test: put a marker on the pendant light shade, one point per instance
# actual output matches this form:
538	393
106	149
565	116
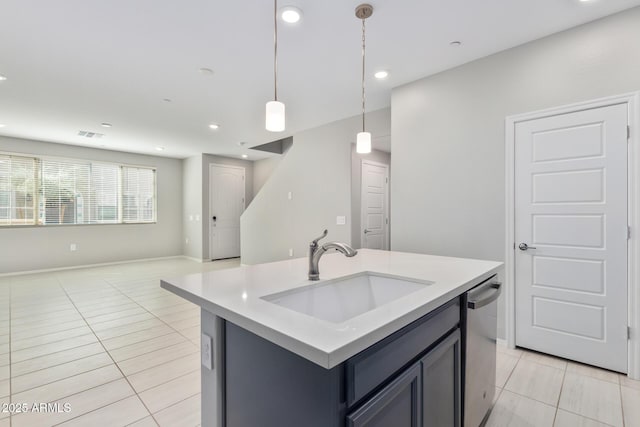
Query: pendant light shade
274	116
363	143
363	139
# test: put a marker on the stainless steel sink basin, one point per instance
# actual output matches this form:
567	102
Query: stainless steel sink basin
338	300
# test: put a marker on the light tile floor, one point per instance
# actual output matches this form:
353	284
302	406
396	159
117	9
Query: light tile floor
108	341
537	390
122	351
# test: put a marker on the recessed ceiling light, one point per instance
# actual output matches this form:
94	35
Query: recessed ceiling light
106	125
206	71
456	43
290	14
214	126
382	74
2	78
160	148
244	156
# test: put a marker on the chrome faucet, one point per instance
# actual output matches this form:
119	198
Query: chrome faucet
316	251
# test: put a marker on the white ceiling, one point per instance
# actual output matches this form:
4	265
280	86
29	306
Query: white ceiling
72	64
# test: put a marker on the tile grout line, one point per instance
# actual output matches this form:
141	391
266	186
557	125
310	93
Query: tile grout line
105	349
147	310
564	375
621	404
10	358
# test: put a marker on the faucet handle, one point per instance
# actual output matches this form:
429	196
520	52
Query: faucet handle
315	241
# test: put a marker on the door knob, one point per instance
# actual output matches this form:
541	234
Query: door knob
524	247
366	231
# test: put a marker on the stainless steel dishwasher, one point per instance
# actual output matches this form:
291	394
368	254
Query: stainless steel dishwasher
479	353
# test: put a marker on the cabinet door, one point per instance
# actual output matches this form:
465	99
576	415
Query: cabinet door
396	405
441	387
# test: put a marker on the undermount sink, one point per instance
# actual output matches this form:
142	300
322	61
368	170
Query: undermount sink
338	300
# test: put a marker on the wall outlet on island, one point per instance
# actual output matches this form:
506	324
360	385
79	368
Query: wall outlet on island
206	351
73	247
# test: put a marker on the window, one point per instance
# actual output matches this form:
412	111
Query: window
46	191
17	190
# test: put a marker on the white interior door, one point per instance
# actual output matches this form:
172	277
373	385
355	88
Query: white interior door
375	205
226	204
571	211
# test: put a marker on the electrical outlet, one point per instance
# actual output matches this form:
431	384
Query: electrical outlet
341	220
290	252
73	247
186	241
290	195
206	351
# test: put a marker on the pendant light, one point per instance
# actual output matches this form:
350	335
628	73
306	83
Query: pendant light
363	139
274	119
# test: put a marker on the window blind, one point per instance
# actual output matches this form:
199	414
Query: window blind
48	191
138	194
17	190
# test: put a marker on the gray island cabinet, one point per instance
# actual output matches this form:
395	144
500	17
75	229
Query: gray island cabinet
398	364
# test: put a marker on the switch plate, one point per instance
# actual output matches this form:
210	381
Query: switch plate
73	247
341	220
206	351
197	217
290	252
290	195
190	217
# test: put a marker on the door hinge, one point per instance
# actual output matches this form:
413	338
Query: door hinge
628	232
386	180
628	133
628	332
387	220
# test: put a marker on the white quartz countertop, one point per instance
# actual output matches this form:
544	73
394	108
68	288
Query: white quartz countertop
235	295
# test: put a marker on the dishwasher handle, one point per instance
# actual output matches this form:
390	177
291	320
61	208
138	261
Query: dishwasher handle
495	287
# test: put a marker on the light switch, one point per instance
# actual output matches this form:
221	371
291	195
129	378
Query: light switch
190	217
290	195
197	217
341	220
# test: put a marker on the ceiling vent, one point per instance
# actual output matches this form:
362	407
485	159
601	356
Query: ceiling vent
88	134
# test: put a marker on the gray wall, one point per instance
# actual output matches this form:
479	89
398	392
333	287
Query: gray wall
448	131
192	206
34	248
208	159
356	187
262	170
317	170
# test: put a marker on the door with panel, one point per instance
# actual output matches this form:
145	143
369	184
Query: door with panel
226	204
571	235
375	205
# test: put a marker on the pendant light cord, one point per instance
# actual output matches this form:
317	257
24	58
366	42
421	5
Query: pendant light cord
363	53
275	50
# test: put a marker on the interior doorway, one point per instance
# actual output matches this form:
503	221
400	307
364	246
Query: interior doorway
572	286
226	205
374	205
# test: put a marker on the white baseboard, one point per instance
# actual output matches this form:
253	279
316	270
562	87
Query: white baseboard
502	342
102	264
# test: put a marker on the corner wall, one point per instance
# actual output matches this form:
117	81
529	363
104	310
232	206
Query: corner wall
317	171
447	175
44	247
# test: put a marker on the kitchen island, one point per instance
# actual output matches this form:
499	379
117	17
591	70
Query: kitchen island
280	358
